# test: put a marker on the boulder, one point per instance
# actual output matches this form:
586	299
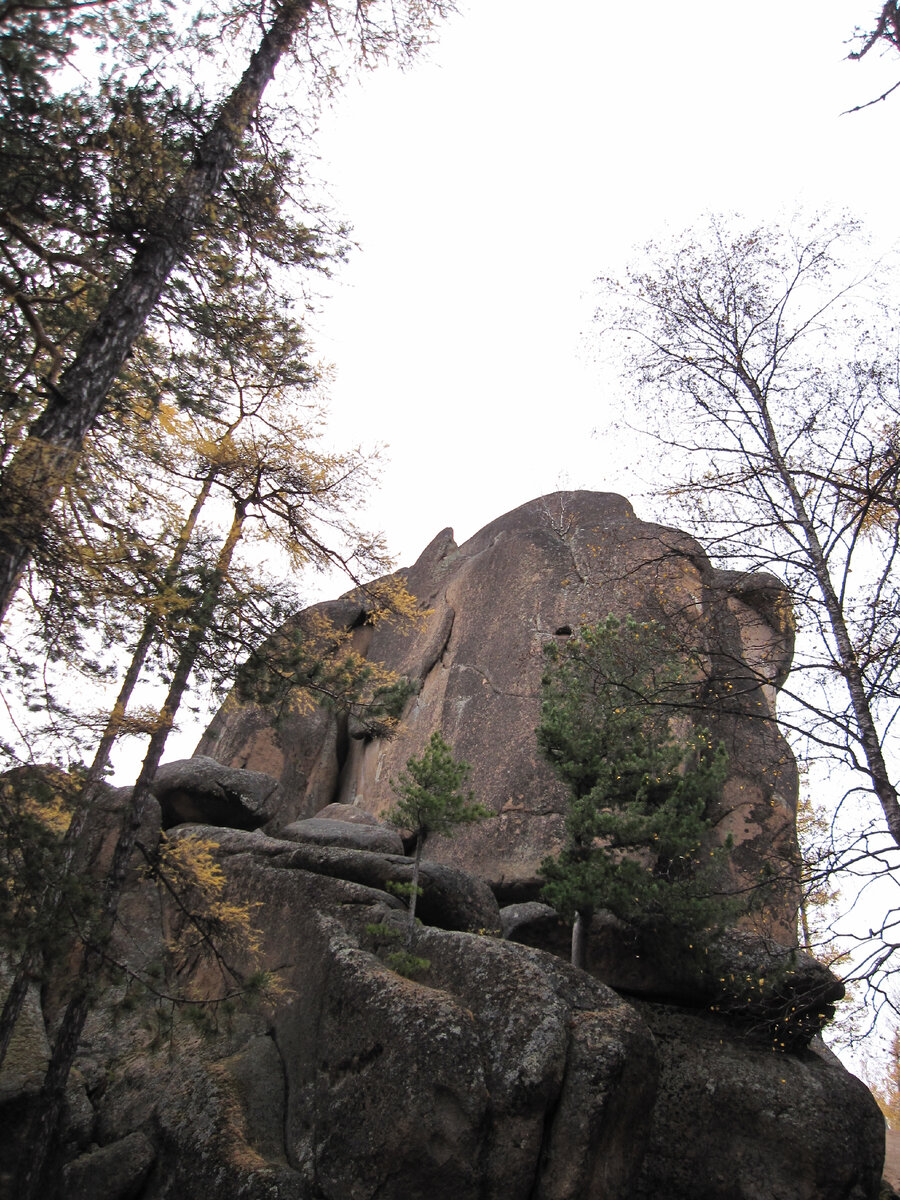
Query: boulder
451	899
735	1120
495	1073
489	607
199	789
487	1069
355	835
760	984
347	812
114	1172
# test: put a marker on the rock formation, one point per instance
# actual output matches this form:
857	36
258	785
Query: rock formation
492	1070
490	606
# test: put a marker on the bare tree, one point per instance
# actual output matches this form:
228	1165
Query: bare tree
768	371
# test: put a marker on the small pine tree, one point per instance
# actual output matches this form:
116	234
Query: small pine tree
432	800
636	828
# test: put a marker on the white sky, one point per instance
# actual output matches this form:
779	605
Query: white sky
491	184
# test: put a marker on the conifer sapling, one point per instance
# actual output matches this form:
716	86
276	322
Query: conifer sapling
432	799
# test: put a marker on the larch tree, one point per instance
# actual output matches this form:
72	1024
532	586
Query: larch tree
277	483
148	223
176	177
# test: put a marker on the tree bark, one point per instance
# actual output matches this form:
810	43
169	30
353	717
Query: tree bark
580	927
414	894
867	730
35	476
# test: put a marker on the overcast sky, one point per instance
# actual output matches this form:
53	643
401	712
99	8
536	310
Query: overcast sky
491	184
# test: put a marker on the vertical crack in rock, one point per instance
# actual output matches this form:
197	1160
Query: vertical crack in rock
341	756
441	641
289	1158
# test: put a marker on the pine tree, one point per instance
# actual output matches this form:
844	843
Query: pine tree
637	830
173	190
433	799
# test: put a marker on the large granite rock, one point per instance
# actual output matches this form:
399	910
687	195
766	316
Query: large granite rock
491	605
325	831
201	789
491	1069
760	985
451	899
735	1121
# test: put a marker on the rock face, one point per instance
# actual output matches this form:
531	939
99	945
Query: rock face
733	1119
490	606
498	1072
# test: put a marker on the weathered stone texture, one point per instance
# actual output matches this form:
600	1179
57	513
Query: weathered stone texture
735	1121
499	1072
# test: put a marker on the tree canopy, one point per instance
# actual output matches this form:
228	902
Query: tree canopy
157	236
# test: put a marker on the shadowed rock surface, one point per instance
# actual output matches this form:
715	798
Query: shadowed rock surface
758	983
497	1073
201	789
732	1119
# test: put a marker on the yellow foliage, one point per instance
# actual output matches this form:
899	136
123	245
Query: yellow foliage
192	873
45	794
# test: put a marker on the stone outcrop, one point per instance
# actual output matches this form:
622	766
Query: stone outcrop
328	832
489	607
732	1119
201	789
759	984
499	1071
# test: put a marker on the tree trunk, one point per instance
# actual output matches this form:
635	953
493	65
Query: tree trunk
867	731
35	476
38	1173
414	894
580	927
49	901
